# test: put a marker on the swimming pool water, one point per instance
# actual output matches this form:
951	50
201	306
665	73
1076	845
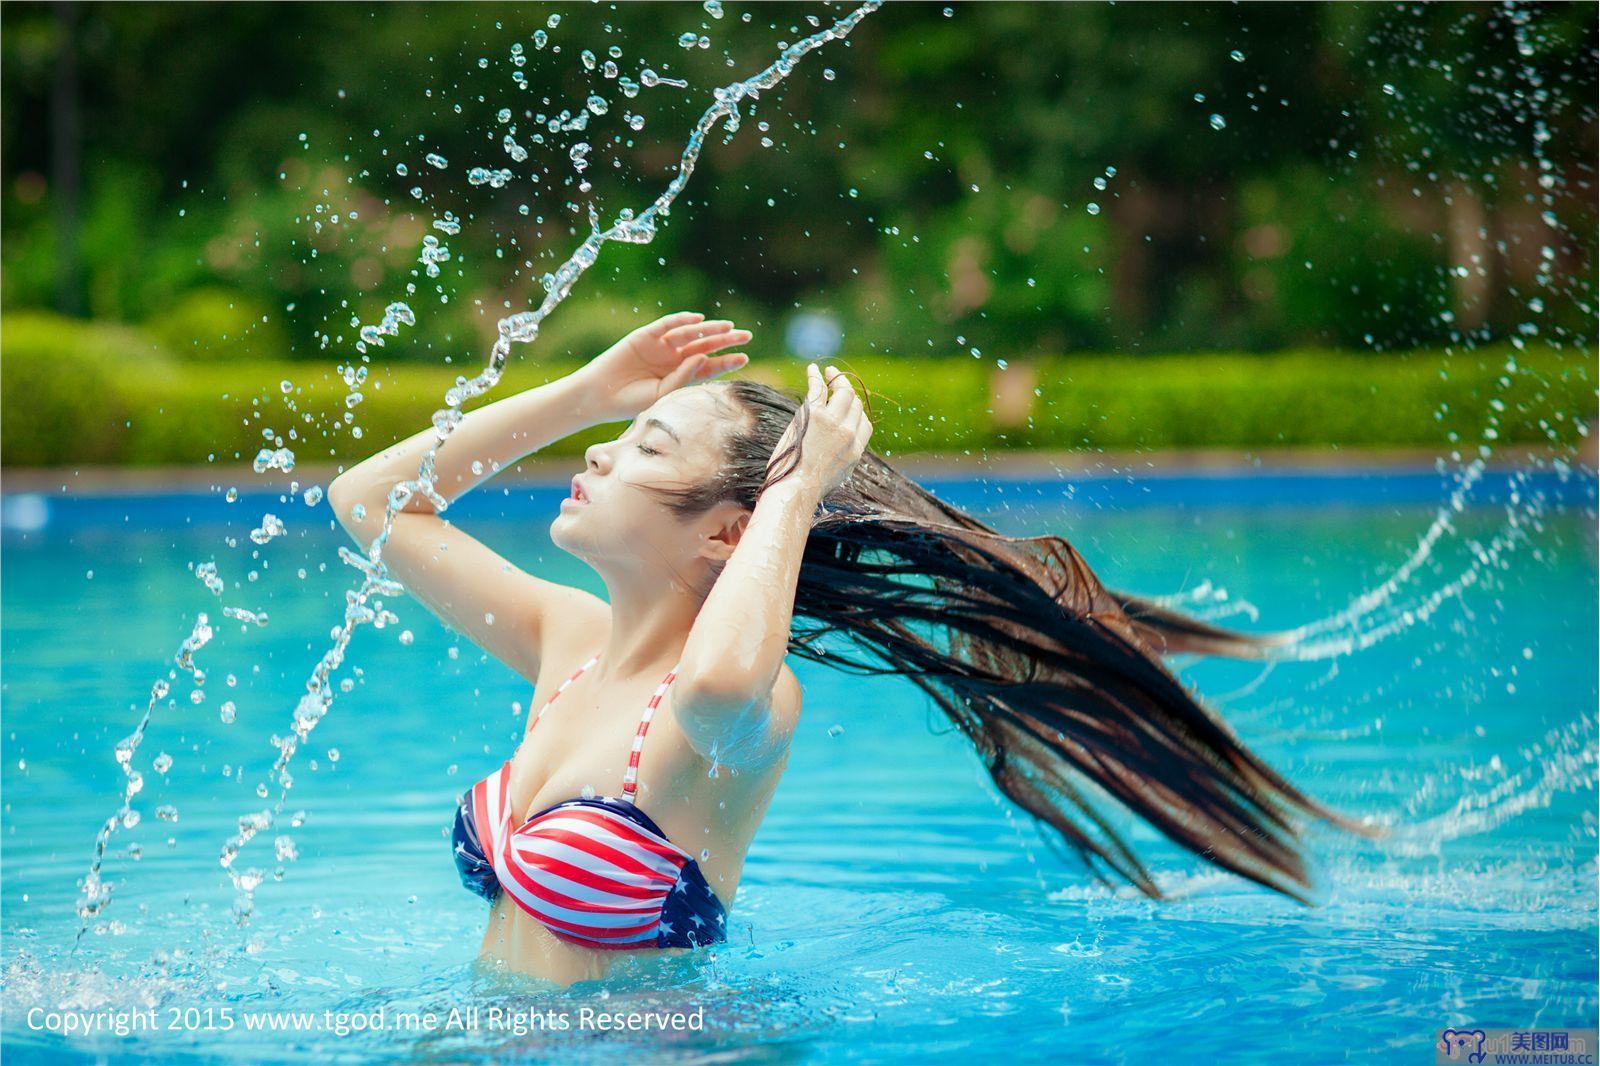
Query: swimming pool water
894	908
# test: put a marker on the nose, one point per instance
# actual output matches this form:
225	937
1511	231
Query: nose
597	457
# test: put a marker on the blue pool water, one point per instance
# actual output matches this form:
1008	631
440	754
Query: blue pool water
894	907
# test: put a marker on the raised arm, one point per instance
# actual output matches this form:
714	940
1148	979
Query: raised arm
734	699
498	606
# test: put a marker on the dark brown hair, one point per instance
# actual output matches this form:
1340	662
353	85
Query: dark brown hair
1053	678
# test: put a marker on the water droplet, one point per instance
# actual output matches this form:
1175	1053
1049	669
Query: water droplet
1218	122
271	526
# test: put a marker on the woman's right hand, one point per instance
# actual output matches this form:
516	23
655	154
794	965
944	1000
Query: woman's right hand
836	433
667	354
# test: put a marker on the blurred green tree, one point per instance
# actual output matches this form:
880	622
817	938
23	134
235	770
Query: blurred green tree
1010	177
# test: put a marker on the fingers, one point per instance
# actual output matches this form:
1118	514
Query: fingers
715	342
685	372
670	322
709	367
721	364
840	389
689	332
700	367
838	424
843	402
816	391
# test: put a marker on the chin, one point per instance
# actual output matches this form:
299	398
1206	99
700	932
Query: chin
566	534
560	529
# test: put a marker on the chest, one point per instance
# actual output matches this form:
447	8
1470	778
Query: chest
579	749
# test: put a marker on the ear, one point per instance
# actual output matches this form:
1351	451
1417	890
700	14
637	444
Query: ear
726	527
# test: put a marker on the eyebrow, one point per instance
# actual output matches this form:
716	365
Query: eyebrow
658	424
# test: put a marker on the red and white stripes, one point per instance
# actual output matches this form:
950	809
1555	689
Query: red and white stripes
585	870
563	687
630	779
587	873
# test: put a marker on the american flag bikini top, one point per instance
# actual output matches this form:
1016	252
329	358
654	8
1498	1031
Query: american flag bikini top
595	872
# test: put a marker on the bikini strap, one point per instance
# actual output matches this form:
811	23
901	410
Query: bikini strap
563	687
630	780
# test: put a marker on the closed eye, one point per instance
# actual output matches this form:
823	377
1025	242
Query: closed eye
648	450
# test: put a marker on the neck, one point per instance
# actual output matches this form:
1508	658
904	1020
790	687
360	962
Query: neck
650	623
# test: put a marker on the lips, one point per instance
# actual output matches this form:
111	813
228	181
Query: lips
578	495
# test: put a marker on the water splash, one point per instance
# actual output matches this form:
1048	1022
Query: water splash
1563	760
396	314
1360	626
96	893
270	529
1379	612
363	604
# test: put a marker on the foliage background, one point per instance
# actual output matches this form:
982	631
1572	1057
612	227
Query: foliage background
220	182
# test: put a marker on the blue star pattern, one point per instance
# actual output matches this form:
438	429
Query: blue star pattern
477	873
696	914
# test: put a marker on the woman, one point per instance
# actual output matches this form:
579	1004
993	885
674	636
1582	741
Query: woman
732	524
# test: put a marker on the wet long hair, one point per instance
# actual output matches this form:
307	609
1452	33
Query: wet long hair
1055	679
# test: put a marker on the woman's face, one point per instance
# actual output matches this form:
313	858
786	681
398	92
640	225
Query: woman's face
676	442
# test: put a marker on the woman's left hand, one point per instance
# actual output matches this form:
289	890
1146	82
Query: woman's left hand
836	434
655	359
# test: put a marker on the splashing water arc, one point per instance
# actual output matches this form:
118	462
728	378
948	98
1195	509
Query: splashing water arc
1379	612
362	605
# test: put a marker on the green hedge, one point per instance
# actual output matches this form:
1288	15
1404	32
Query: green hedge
76	392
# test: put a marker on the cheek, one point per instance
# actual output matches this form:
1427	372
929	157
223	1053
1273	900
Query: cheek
639	516
625	516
